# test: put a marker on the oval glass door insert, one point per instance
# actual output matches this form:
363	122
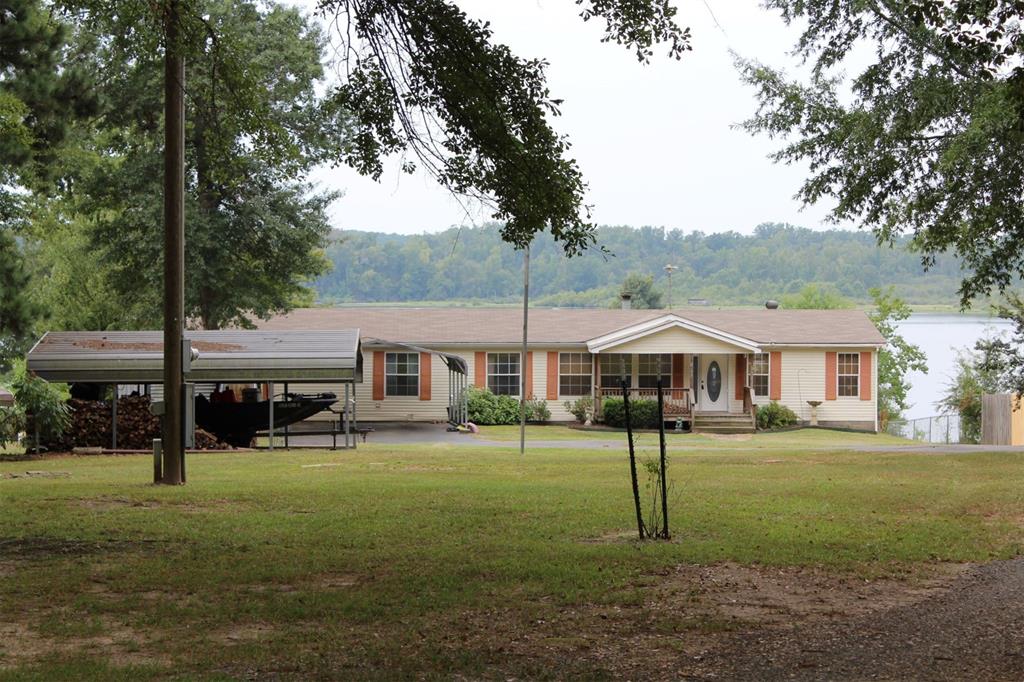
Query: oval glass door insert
714	381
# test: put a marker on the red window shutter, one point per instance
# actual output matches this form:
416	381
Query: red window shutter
831	375
378	375
424	376
775	376
529	374
480	370
741	374
865	376
552	392
678	370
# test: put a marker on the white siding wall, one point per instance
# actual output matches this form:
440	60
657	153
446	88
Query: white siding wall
411	408
803	379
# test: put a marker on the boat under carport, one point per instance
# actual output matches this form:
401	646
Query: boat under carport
214	356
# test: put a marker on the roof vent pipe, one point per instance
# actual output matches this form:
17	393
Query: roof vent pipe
771	305
627	299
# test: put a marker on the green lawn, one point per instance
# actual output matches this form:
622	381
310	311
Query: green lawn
801	438
432	562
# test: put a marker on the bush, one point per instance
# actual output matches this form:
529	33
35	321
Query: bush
774	416
12	422
487	409
643	413
43	404
580	408
537	410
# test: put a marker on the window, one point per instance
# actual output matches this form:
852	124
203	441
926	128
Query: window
759	374
574	372
613	367
651	367
849	374
503	373
402	374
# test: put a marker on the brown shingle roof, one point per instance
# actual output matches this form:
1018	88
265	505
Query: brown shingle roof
439	326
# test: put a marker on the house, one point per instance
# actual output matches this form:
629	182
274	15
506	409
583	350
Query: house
715	363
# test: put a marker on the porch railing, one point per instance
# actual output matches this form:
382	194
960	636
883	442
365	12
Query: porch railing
748	405
677	400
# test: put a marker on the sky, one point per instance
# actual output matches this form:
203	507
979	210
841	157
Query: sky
656	143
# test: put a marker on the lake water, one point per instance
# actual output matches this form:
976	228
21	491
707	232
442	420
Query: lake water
940	336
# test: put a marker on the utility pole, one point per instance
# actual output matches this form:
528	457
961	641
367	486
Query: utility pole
523	364
670	269
174	245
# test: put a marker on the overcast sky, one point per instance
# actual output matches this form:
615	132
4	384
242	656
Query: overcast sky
656	143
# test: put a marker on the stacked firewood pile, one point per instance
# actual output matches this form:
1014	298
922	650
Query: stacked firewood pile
136	426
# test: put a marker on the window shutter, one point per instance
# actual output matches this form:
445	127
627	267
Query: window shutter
424	376
480	370
528	367
775	375
552	392
865	376
741	374
378	375
831	370
678	371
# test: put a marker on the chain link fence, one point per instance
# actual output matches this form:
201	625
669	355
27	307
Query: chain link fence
942	428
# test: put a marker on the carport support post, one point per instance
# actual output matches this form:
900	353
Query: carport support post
113	421
270	397
174	245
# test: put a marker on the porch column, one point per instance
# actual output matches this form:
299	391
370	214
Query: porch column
595	383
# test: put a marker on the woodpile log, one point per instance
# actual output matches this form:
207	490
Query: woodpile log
136	426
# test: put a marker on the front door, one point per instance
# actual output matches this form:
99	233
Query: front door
713	394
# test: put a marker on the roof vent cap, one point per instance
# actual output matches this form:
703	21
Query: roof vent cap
627	299
771	304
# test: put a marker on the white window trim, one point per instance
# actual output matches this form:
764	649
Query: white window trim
751	375
395	374
636	364
632	370
519	374
839	395
589	375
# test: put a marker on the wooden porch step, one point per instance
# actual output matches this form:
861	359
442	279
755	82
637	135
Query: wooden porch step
722	419
725	430
722	423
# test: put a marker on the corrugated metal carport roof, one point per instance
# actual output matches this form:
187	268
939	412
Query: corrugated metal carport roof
229	356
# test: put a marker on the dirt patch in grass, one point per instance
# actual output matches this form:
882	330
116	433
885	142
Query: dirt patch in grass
679	615
247	632
38	548
34	474
24	642
761	596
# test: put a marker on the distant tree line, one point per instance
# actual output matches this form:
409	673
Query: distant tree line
775	261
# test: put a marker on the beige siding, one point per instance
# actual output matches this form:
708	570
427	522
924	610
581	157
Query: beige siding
675	340
803	379
409	408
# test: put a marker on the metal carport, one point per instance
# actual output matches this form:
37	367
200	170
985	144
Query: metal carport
458	374
221	356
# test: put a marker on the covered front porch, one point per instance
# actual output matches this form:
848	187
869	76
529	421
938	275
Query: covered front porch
706	376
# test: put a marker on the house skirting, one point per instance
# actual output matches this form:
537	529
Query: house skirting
853	425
